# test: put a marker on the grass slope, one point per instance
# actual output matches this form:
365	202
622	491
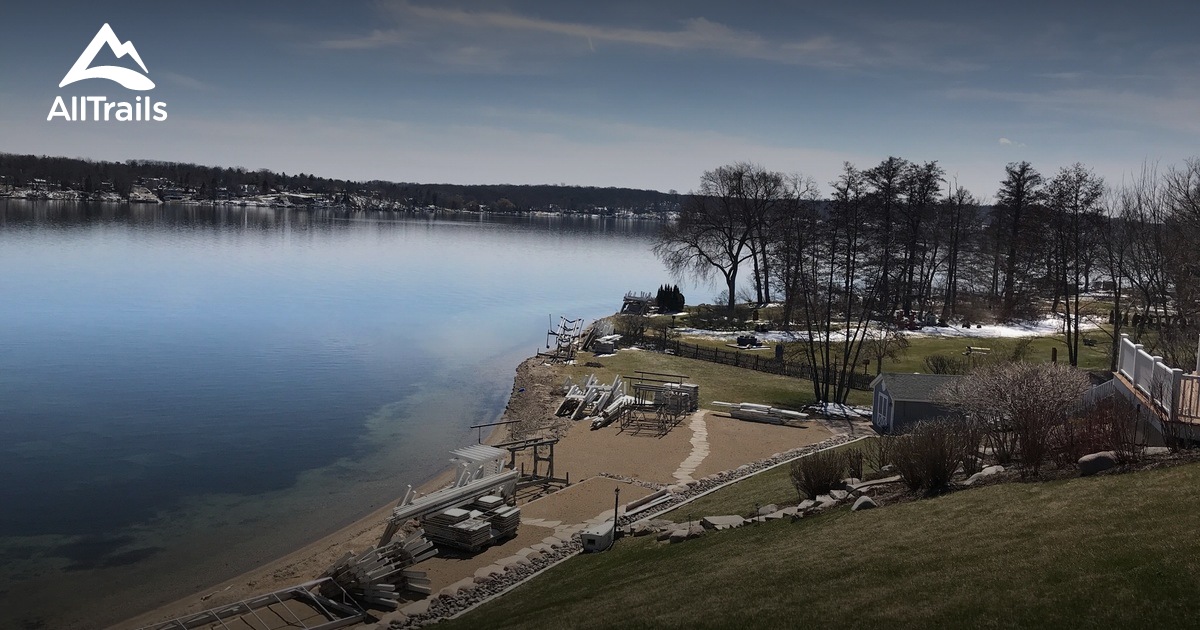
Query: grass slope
1113	551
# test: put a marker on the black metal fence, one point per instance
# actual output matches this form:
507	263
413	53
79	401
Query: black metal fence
759	360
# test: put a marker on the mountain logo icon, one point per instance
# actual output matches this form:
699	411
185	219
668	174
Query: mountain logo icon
130	79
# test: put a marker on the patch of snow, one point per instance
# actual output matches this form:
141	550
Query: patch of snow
1047	327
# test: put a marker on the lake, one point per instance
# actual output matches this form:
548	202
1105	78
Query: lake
187	392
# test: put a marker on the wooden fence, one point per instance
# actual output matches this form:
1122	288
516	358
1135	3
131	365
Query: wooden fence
761	361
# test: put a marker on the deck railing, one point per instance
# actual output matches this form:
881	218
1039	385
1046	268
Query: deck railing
1156	380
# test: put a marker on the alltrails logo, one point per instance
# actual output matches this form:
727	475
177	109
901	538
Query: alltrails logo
99	107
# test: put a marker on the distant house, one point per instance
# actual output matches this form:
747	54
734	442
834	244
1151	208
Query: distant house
902	400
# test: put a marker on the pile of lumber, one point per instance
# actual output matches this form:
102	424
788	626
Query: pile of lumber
691	389
459	528
504	519
752	412
376	578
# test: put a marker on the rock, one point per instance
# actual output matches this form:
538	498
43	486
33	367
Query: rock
992	470
542	547
678	488
1156	451
721	522
695	531
825	498
988	471
769	508
678	536
838	495
513	562
887	468
850	482
554	542
454	589
664	534
863	503
774	516
640	529
486	573
1097	462
806	504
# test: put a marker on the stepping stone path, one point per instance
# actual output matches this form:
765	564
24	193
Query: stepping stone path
721	522
699	450
863	503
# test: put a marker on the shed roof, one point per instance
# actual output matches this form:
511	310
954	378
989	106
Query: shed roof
913	387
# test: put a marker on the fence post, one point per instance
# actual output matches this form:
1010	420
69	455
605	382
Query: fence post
1176	386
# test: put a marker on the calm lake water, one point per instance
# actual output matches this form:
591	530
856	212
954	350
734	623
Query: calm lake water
187	392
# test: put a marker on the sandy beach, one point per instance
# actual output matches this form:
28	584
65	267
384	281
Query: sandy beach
703	443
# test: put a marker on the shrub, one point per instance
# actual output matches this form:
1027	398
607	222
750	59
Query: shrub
817	474
1020	407
879	451
927	457
942	364
854	463
632	328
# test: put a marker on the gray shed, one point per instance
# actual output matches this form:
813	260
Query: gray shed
902	400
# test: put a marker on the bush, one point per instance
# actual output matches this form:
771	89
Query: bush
669	299
879	452
927	457
942	364
854	464
632	328
817	474
1020	406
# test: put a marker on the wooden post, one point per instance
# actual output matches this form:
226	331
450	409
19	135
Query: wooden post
1176	386
1054	355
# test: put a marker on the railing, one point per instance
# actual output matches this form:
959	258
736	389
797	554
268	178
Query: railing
1093	396
1188	399
1158	381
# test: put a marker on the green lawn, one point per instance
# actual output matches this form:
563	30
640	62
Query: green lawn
1109	551
913	360
716	381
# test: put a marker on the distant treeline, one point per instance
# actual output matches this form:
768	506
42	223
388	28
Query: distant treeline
210	181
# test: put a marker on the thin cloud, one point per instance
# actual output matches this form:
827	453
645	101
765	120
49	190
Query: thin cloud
1009	143
696	34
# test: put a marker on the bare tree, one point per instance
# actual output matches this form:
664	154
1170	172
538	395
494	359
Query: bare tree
958	221
712	234
796	217
838	287
1073	198
1020	191
885	342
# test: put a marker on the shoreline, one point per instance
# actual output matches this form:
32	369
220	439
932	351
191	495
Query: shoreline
597	462
287	570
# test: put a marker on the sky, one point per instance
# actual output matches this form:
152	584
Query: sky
638	94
